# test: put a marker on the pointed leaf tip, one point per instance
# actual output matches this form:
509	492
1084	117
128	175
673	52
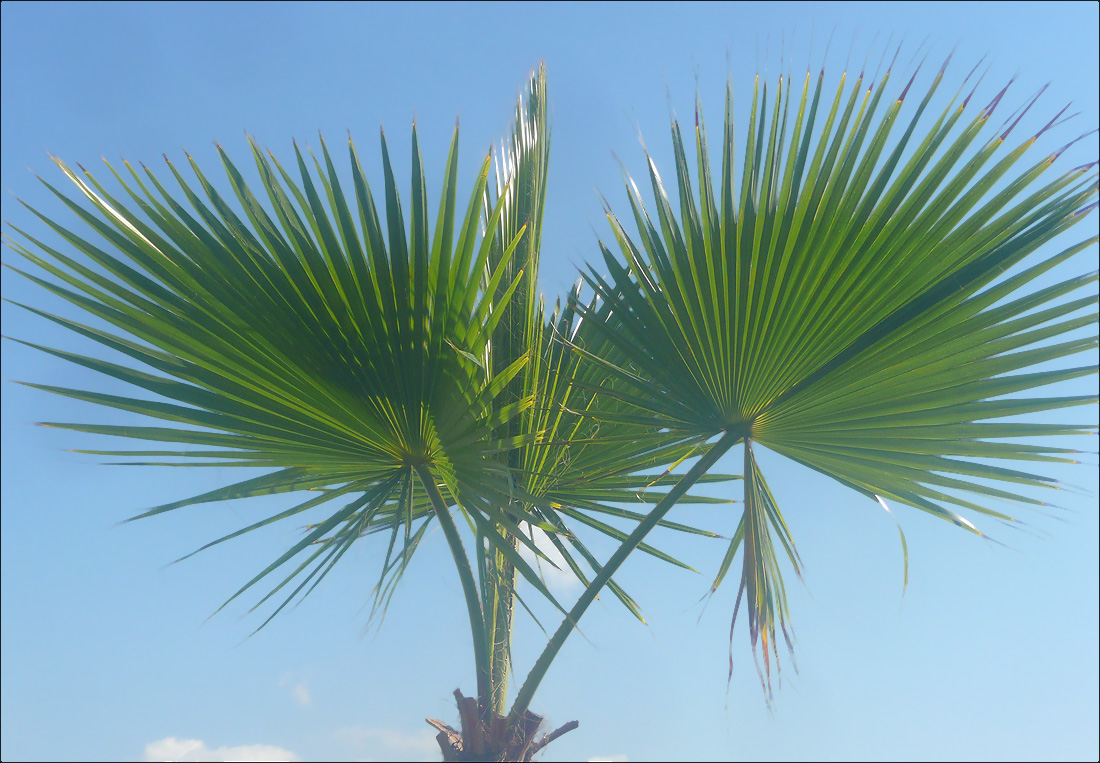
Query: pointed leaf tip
1082	136
909	85
1052	121
988	110
1085	211
1024	111
946	61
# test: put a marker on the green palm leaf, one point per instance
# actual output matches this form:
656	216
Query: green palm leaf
861	302
295	338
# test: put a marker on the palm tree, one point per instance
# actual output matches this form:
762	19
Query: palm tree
860	306
400	374
867	308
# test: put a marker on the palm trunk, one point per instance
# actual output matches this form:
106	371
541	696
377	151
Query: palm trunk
486	733
499	740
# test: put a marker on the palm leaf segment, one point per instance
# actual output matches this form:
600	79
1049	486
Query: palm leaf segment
865	307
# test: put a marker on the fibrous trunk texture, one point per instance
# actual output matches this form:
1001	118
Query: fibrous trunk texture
501	740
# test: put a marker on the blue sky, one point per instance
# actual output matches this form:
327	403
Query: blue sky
107	654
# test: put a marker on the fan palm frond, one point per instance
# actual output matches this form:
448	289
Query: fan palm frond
866	304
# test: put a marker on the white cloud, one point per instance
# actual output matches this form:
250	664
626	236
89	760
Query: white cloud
609	759
560	580
194	751
301	693
389	744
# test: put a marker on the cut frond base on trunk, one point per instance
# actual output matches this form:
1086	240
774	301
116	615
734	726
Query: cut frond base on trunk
502	740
